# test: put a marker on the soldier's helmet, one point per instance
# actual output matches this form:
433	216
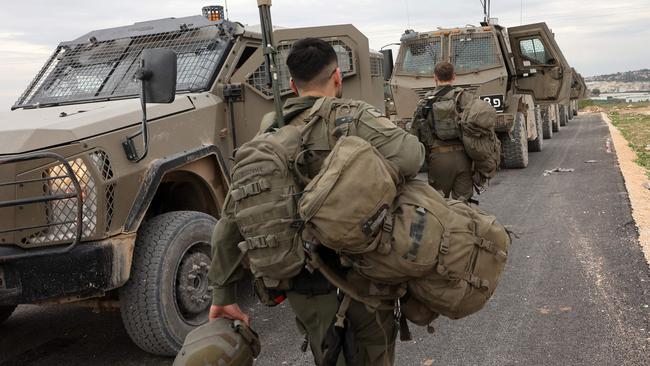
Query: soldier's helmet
221	342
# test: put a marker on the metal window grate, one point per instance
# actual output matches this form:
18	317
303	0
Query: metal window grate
376	68
533	49
104	69
421	56
473	51
64	210
259	80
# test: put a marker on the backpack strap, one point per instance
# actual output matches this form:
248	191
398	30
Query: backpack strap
314	262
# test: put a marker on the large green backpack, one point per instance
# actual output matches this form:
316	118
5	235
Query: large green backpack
269	175
265	192
439	113
450	254
481	143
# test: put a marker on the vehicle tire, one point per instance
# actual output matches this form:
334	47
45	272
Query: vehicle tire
515	149
537	144
547	124
564	116
556	121
6	311
167	294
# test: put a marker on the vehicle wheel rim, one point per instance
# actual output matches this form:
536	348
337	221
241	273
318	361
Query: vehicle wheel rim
192	294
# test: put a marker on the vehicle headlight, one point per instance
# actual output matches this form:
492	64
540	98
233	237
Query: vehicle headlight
62	214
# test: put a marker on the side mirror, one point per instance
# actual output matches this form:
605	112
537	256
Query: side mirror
158	75
388	63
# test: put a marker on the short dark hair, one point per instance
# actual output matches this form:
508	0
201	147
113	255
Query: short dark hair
444	71
308	59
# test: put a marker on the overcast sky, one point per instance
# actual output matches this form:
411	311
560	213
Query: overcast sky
596	36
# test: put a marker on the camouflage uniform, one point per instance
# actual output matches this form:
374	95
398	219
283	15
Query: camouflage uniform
312	299
450	169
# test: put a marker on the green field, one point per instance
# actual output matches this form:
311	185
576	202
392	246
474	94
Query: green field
636	130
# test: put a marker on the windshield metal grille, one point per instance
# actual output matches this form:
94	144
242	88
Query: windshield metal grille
105	69
259	80
420	57
473	51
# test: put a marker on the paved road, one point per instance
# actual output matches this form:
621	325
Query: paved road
576	289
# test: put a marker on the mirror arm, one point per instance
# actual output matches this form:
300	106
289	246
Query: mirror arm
128	145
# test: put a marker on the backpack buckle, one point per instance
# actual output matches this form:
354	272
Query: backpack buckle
259	242
444	244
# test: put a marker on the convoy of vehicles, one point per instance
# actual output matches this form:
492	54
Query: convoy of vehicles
100	202
88	210
520	70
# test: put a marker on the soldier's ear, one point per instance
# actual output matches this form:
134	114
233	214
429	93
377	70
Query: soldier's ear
293	86
338	77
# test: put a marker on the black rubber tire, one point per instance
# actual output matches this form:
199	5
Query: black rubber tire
564	116
556	122
537	144
515	149
547	125
150	302
6	311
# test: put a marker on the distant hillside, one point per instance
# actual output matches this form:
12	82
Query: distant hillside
626	77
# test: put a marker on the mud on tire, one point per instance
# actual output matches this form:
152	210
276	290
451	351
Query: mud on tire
547	124
537	144
167	294
515	148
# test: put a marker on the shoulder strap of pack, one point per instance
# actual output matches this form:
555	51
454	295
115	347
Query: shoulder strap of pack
314	262
338	114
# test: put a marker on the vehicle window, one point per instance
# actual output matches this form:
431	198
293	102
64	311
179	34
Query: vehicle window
471	52
420	57
105	69
259	78
533	50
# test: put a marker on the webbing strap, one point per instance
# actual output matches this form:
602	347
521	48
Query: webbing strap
473	280
257	242
488	246
250	189
314	262
340	313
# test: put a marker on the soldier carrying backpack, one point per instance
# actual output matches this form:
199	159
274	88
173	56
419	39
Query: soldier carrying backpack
260	226
457	131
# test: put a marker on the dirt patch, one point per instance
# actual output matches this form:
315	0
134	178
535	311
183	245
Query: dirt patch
635	177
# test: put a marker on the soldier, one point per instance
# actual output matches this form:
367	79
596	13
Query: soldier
450	169
317	80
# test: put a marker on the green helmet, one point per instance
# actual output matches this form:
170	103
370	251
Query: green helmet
221	342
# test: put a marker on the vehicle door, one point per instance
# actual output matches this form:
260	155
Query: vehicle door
541	67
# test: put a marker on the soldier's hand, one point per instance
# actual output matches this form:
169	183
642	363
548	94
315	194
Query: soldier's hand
232	311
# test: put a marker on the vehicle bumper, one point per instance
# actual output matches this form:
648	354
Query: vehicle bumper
88	270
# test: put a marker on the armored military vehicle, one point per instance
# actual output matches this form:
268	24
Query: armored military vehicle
578	91
517	70
98	202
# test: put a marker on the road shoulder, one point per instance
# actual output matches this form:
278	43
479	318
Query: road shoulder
634	177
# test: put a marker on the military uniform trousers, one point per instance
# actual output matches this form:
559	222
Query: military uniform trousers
451	172
375	331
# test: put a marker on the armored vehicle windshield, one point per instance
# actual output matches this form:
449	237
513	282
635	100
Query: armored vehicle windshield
101	64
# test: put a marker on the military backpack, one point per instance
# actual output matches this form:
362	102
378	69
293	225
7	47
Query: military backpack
268	177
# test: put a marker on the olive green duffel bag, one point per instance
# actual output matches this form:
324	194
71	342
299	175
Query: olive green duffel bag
345	205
